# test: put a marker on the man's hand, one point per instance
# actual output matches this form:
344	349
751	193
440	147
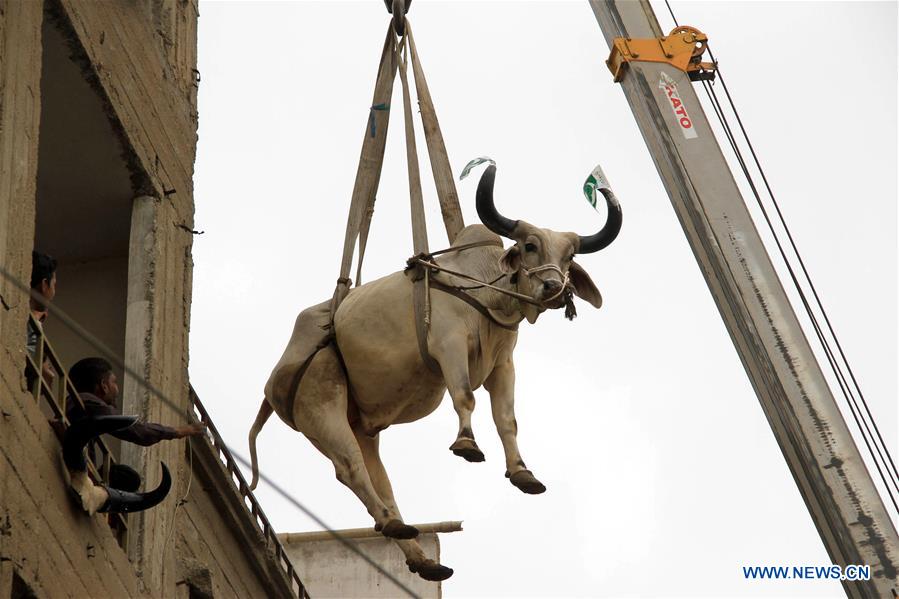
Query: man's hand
191	430
48	372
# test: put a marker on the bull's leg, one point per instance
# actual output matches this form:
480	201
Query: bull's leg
416	559
501	385
453	359
320	413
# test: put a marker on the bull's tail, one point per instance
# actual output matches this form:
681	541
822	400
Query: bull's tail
265	410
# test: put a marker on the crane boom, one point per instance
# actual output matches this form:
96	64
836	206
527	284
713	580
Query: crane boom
825	462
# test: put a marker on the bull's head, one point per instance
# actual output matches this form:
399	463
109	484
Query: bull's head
542	261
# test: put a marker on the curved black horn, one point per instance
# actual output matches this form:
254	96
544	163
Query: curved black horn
82	431
487	212
125	501
609	231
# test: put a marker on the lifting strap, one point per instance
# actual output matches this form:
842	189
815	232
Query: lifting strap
419	225
368	174
440	166
396	57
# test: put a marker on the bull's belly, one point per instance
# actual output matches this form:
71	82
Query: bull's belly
395	400
375	330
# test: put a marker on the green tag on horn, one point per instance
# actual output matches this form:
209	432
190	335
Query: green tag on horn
595	181
475	163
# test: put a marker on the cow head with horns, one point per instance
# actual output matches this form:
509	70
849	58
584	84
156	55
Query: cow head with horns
541	262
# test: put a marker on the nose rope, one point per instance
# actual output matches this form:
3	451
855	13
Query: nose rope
436	267
531	271
427	261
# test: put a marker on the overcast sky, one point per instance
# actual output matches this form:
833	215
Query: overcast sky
663	476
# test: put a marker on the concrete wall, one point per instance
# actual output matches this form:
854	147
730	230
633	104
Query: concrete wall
329	569
138	58
45	541
94	294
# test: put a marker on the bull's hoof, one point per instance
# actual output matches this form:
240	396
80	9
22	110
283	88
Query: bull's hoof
524	480
396	529
430	570
468	449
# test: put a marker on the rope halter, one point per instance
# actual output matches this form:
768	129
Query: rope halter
543	267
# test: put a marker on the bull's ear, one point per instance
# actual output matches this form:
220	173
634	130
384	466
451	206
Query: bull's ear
510	261
583	285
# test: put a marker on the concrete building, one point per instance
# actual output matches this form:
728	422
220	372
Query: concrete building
97	141
332	570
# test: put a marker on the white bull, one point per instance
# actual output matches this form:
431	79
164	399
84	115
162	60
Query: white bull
372	375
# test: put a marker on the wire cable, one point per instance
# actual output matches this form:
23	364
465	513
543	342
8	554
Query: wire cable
881	449
98	345
806	274
827	350
671	12
854	408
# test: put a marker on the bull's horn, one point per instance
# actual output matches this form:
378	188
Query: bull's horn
82	431
125	501
494	221
609	231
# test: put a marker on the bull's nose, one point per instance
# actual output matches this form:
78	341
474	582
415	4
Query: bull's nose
551	286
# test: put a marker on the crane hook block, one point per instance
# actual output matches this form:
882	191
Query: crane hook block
682	48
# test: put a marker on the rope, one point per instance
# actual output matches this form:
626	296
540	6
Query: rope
427	261
891	479
183	500
515	294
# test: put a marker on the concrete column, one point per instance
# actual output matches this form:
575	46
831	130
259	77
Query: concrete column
156	348
20	112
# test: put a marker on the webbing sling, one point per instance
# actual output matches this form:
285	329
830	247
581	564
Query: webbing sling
396	57
368	174
440	166
419	225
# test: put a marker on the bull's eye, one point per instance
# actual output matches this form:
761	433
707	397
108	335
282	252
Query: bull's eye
571	258
530	247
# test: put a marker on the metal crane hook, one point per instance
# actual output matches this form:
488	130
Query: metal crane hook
398	8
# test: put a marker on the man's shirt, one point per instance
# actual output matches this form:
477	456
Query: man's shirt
141	433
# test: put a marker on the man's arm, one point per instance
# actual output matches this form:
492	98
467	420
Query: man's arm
140	433
150	433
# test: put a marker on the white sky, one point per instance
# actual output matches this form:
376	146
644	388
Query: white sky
663	476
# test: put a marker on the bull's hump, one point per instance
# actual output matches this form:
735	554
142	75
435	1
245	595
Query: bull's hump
476	233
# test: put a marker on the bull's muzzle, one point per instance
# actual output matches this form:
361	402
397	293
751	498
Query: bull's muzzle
552	294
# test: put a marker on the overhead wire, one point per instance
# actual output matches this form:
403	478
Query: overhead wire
891	479
107	353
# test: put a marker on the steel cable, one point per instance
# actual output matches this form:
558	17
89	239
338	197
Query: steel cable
860	421
806	274
881	449
841	377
